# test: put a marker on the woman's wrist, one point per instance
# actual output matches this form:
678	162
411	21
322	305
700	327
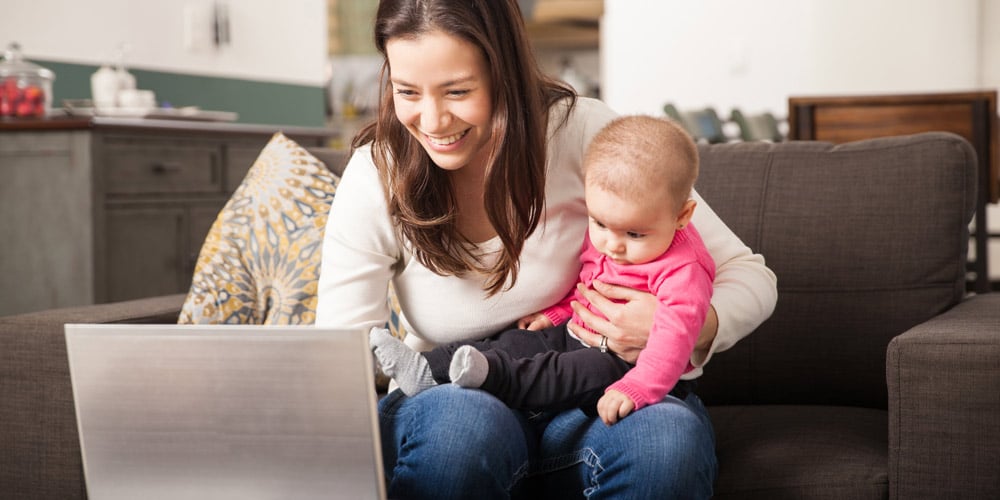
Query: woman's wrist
708	331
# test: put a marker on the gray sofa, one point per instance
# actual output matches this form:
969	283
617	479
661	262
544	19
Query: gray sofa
877	376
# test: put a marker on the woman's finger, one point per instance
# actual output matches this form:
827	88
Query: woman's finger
588	337
630	315
625	309
615	292
596	299
597	323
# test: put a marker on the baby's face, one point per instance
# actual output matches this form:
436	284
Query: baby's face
627	230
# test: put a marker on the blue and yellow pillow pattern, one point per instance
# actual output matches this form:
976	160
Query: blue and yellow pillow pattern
260	262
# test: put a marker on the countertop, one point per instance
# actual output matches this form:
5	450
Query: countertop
71	123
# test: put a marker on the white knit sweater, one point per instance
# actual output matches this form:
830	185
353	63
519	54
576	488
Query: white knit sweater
361	255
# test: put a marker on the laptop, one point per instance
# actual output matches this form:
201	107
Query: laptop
225	412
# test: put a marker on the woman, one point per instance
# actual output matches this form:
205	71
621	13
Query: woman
467	193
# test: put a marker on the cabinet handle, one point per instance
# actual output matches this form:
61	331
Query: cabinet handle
166	168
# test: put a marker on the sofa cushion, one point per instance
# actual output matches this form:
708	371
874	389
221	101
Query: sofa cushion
260	261
38	435
775	452
867	239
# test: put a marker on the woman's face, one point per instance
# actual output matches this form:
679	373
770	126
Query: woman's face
442	94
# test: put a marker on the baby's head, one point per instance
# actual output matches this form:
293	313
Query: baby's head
639	172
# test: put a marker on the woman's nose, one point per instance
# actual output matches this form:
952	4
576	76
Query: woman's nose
433	116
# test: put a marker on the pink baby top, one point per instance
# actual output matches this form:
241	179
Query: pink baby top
681	279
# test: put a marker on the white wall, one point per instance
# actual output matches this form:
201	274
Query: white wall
989	35
754	55
271	41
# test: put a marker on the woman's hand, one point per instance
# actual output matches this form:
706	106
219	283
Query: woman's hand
537	321
614	406
629	319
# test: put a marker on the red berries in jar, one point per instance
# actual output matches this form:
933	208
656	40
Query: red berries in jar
25	88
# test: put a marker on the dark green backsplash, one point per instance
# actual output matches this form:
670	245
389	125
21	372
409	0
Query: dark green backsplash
255	101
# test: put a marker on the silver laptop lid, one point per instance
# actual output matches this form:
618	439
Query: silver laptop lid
219	412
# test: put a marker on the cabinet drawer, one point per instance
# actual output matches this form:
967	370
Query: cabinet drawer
238	163
158	169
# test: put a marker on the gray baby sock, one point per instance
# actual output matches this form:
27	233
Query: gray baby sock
468	367
407	367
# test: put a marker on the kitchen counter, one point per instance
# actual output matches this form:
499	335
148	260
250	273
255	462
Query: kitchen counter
138	124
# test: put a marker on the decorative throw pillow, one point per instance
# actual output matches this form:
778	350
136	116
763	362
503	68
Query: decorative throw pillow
261	260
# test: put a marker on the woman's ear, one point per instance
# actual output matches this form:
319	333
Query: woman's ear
687	210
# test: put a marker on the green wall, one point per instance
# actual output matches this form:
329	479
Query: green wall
255	101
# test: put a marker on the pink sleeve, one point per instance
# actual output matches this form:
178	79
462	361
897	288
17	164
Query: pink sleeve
684	294
562	311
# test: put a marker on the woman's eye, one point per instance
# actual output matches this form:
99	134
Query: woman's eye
458	93
405	92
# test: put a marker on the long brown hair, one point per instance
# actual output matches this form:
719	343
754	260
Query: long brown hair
419	194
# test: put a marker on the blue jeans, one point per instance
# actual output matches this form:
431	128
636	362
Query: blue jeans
449	442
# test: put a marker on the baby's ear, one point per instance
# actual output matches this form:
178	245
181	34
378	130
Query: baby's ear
687	210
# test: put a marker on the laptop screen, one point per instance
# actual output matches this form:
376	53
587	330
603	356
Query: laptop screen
189	411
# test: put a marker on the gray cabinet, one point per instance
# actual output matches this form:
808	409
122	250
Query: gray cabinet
105	210
145	254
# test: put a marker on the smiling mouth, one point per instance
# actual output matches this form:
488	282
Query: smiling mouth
446	141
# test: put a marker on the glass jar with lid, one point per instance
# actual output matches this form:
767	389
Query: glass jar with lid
25	88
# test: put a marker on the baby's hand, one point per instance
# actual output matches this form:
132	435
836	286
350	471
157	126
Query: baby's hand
537	321
614	406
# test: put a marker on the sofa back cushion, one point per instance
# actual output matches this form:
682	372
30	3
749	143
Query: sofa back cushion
867	239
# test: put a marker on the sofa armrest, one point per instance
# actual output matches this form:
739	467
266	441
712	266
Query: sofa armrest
944	404
39	447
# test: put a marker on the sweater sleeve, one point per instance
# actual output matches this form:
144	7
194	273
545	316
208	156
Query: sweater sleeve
684	294
562	311
745	289
359	251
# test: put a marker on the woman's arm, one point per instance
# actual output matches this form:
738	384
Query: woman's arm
359	251
744	292
744	295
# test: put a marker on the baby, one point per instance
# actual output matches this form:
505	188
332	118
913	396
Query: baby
639	172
